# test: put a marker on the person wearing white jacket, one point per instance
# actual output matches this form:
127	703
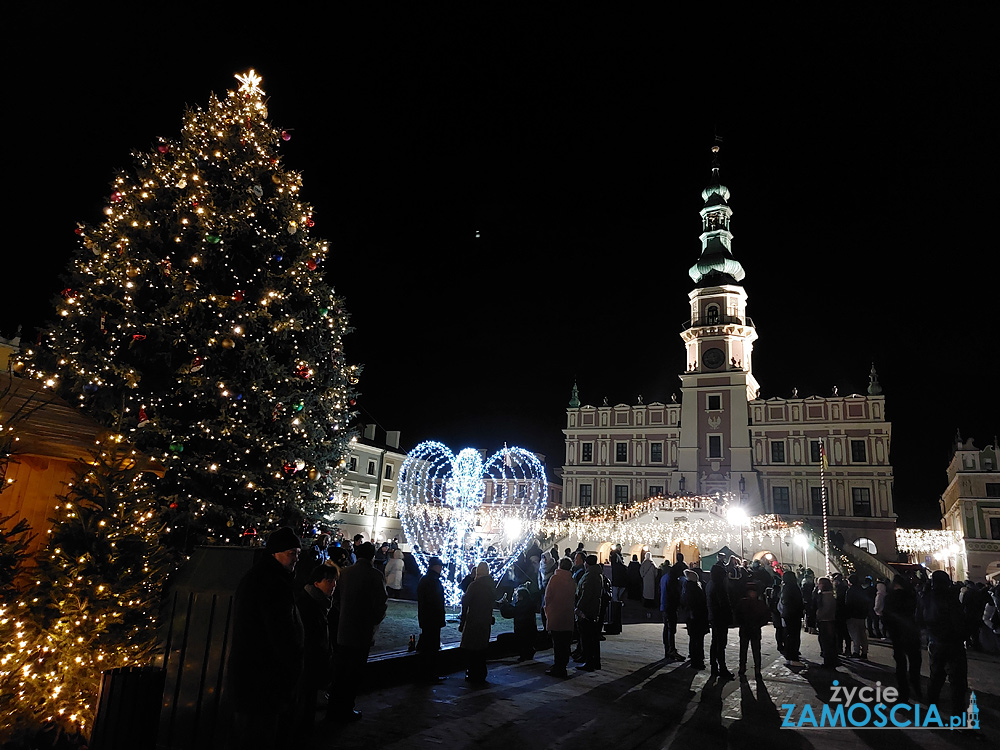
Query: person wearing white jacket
394	574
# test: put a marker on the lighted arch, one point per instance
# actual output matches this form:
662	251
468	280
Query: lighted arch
866	544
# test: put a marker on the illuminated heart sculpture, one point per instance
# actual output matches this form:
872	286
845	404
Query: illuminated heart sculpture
466	510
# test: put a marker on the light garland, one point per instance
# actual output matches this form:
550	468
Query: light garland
935	542
466	510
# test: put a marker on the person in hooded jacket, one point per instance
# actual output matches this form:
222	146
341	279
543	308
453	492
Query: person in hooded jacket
899	618
695	605
941	615
720	617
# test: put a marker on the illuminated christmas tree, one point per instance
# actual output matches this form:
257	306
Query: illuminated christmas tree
95	596
196	320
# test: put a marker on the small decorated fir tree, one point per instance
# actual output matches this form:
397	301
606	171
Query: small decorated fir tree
197	317
96	594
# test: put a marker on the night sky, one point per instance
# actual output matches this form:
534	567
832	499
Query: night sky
512	192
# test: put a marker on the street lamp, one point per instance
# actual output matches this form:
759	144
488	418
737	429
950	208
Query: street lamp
737	515
802	541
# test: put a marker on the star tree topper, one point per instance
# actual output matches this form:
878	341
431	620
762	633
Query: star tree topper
250	83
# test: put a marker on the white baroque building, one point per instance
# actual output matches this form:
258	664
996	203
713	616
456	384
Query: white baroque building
722	437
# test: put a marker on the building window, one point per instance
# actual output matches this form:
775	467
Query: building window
782	500
621	452
995	527
858	453
861	498
621	494
712	315
352	464
867	545
656	490
522	491
815	451
778	452
586	495
715	402
587	452
388	471
656	453
816	495
371	468
992	490
715	446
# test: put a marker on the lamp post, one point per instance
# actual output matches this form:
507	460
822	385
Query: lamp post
803	542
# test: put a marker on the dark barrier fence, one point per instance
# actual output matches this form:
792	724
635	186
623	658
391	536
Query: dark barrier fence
197	632
129	709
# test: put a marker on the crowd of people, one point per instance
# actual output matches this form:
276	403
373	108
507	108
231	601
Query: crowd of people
303	615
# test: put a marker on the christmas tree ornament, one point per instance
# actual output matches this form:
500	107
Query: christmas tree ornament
258	191
116	197
196	364
228	343
163	148
276	178
91	388
182	183
213	239
176	447
285	135
311	264
292	227
143	418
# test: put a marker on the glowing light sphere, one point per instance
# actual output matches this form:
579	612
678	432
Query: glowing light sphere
466	509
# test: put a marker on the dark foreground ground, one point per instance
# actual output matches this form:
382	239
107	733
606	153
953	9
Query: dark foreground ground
637	701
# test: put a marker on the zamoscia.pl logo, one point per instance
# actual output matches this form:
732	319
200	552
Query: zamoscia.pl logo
874	707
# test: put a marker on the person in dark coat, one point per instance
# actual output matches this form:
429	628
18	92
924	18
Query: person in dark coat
695	606
720	617
431	618
314	601
590	590
265	662
521	610
840	594
634	586
477	622
619	576
857	603
791	608
899	618
751	614
362	607
670	599
941	614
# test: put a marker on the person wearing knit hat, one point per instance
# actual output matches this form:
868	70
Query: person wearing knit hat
266	658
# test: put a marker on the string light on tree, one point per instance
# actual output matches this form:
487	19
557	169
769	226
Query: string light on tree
194	309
